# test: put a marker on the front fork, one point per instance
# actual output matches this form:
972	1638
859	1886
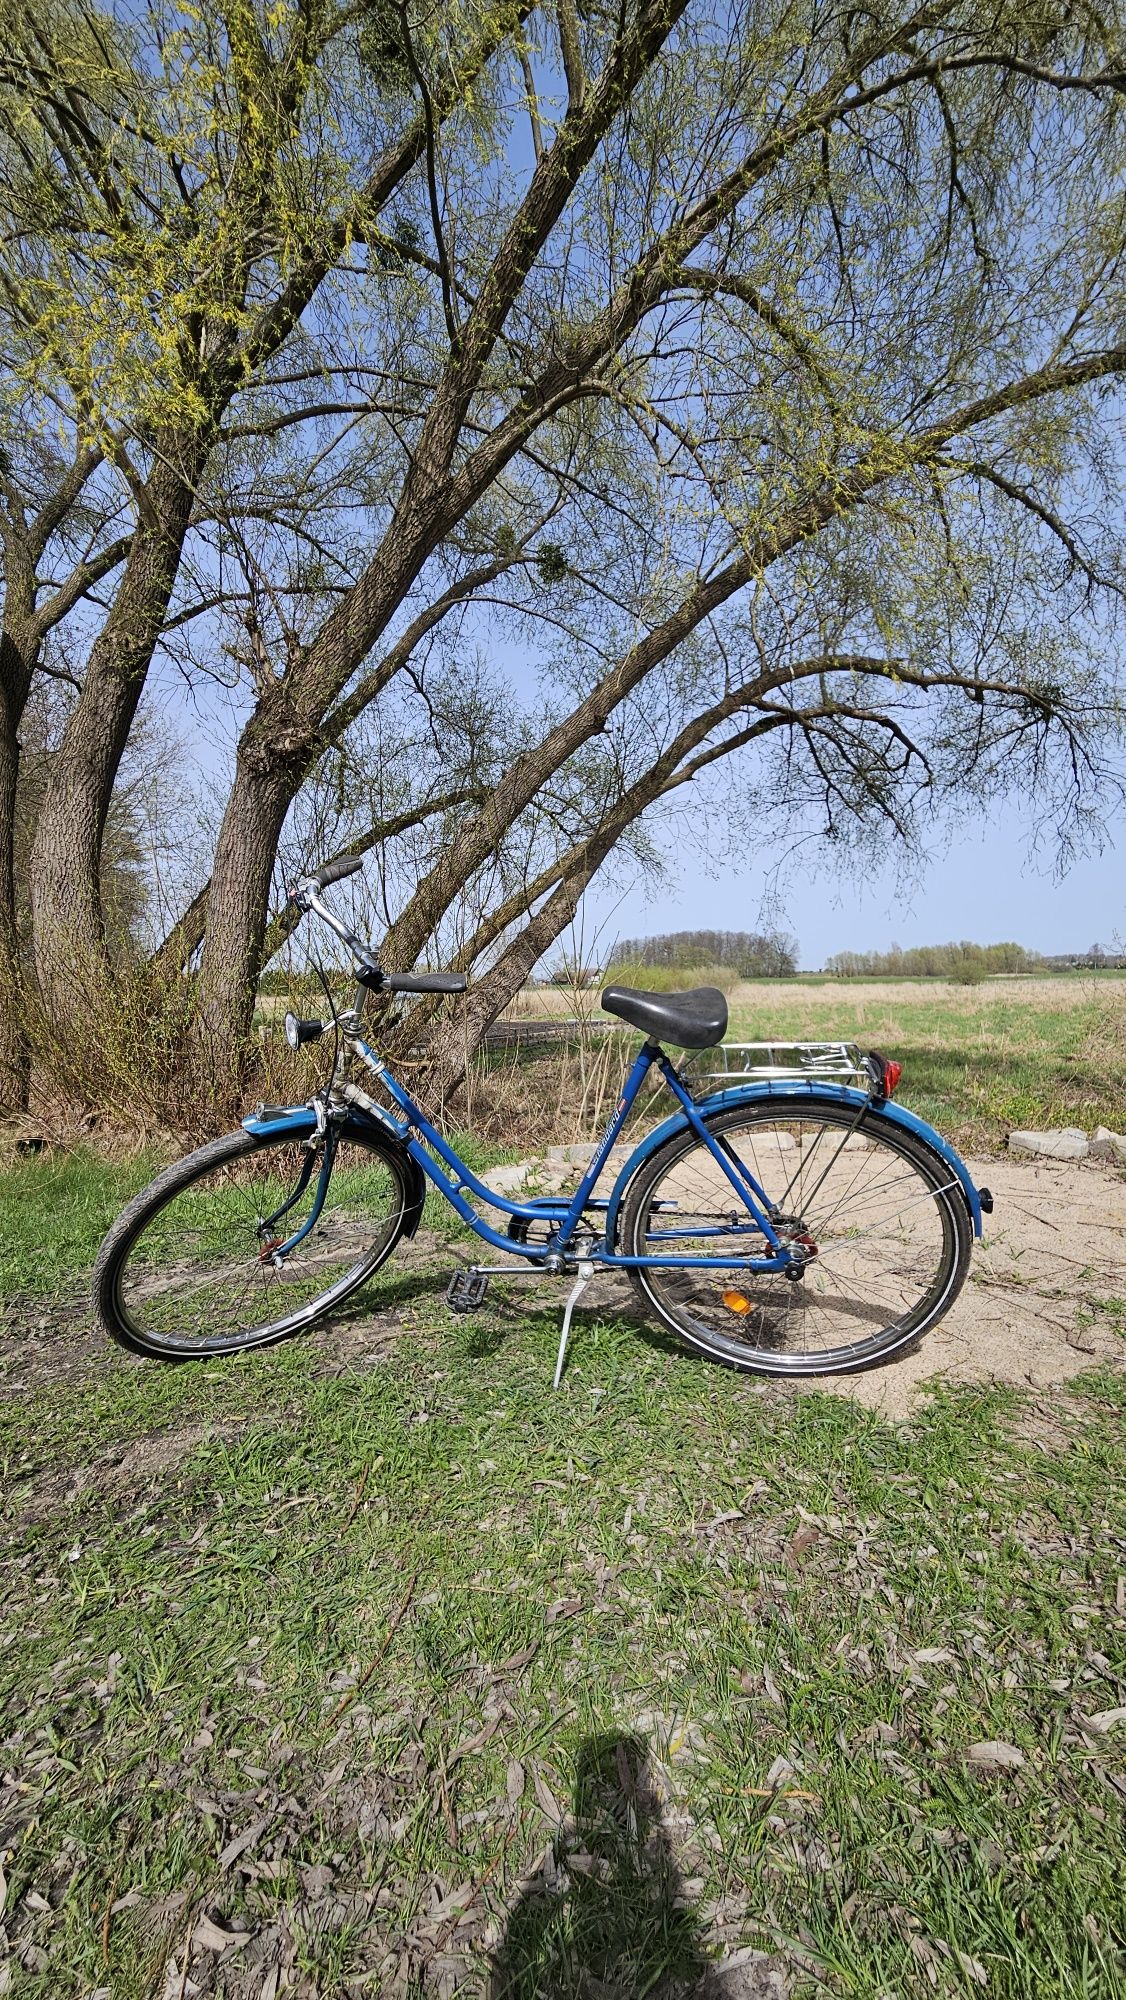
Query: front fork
273	1251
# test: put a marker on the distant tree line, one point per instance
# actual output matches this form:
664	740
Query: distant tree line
934	961
752	954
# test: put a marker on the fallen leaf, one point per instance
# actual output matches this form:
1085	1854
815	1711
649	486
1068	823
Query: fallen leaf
803	1540
520	1659
514	1781
582	1863
564	1607
972	1967
721	1520
1002	1756
549	1804
456	1900
208	1936
472	1743
1106	1719
242	1841
932	1656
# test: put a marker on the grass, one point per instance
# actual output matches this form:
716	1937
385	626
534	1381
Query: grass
54	1213
398	1673
408	1670
978	1061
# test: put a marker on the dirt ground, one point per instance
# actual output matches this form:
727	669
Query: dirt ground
1053	1253
1054	1250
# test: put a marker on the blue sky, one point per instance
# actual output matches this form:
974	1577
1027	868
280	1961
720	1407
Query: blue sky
983	886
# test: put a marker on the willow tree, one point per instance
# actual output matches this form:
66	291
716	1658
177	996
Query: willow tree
175	192
854	283
756	364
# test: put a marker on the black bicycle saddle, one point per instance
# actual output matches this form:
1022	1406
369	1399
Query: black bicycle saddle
696	1019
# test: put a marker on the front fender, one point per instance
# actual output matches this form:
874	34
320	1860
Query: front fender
297	1121
800	1092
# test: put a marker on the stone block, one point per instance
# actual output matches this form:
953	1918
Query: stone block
507	1180
1108	1145
1068	1144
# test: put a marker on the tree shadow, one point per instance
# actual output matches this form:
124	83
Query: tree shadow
604	1919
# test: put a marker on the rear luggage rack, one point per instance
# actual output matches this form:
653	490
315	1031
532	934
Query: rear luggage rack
767	1062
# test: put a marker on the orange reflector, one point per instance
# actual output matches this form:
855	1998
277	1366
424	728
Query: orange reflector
736	1303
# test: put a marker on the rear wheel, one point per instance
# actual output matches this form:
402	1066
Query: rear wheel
186	1269
878	1222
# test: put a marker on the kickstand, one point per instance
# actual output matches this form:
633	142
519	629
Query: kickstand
586	1273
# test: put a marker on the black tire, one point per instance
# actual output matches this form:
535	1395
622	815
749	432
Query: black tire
147	1305
754	1322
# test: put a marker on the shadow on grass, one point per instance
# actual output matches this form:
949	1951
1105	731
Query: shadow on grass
605	1916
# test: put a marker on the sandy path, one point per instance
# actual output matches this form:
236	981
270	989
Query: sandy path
1054	1249
1030	1313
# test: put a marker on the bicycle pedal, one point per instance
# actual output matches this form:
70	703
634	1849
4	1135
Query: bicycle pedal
466	1291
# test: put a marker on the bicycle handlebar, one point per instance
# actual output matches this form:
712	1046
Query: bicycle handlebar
425	982
307	895
335	871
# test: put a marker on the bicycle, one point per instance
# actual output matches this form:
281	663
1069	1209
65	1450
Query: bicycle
787	1224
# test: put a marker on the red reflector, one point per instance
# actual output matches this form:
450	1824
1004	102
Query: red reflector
892	1073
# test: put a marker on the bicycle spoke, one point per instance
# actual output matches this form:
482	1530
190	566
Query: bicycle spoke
866	1221
195	1277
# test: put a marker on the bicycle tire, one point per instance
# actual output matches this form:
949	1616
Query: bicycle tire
774	1307
116	1305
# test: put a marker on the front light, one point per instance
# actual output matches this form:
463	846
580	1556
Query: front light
298	1031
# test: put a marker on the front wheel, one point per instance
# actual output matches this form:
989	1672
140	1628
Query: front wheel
187	1269
877	1222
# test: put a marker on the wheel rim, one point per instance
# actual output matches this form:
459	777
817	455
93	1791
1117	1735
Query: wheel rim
872	1217
197	1276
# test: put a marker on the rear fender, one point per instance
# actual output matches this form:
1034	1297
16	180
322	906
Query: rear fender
298	1121
799	1092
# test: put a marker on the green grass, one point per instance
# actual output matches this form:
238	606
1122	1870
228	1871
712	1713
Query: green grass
391	1622
979	1061
54	1212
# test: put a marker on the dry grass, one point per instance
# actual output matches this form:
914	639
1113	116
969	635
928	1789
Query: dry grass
979	1061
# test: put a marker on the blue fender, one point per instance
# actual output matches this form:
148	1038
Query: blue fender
270	1119
802	1091
297	1121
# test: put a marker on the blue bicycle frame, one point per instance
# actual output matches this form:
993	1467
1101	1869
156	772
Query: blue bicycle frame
455	1180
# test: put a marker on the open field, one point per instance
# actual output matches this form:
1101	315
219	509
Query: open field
978	1061
367	1665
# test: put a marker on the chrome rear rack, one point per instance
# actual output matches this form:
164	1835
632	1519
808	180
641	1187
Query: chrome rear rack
765	1062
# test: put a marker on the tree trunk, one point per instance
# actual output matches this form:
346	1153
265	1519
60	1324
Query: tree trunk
272	757
19	653
71	959
15	1061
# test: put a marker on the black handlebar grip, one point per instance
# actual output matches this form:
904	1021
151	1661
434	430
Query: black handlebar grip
335	871
425	982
